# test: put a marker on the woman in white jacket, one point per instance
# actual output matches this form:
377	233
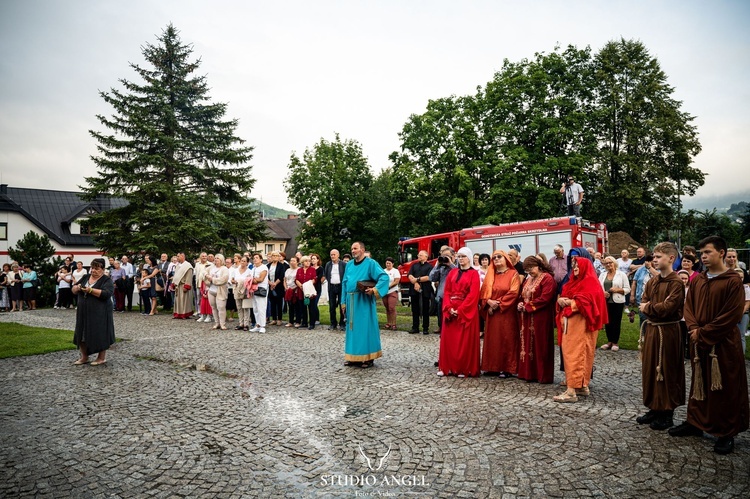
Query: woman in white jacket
616	288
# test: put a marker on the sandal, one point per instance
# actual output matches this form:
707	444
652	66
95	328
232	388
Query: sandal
98	362
583	392
366	364
81	362
606	346
215	327
565	397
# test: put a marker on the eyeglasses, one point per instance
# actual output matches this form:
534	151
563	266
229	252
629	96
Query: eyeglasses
497	257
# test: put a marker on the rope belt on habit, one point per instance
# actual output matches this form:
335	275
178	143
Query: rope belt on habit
658	325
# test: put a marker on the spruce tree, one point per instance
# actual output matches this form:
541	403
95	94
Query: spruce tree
175	159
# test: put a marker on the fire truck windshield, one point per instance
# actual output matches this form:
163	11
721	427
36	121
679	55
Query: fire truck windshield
408	253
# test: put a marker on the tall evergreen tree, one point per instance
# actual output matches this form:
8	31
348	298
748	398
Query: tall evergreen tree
174	158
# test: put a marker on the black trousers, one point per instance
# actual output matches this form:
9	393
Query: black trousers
276	300
614	310
420	307
129	287
334	302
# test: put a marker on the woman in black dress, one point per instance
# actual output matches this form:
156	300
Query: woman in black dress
95	326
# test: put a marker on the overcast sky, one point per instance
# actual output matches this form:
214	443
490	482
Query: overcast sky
295	71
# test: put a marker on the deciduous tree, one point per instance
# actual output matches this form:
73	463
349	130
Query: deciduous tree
330	185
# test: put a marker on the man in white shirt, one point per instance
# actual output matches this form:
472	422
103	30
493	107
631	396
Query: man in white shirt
623	264
573	196
129	283
333	272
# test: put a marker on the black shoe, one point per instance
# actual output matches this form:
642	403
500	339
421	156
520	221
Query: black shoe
436	364
342	327
724	445
425	332
311	327
663	422
647	418
685	430
332	328
414	331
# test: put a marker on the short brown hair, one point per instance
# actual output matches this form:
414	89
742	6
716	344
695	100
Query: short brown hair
667	248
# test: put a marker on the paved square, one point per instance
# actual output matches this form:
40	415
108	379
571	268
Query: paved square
183	411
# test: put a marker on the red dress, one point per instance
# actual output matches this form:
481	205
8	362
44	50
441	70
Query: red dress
459	338
537	360
501	341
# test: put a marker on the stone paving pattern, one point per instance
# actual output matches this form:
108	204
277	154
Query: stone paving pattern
183	411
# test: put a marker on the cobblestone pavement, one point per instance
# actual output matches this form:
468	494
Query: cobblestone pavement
179	410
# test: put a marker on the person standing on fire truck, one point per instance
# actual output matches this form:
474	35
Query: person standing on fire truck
421	292
573	196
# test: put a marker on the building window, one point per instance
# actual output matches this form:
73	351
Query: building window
281	247
269	249
85	227
81	227
4	231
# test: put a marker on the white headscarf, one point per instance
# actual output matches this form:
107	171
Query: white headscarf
466	251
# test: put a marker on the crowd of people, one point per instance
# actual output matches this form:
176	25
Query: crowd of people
689	308
18	286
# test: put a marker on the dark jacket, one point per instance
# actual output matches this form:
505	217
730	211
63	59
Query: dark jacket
328	269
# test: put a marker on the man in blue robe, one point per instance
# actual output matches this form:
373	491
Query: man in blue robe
362	345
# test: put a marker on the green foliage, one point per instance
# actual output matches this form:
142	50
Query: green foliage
35	249
500	155
171	155
331	187
700	224
647	143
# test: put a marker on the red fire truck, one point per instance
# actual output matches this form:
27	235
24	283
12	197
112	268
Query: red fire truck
528	238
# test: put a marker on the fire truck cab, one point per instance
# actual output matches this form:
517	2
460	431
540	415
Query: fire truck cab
528	238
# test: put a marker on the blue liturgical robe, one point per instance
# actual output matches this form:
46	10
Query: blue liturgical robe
362	329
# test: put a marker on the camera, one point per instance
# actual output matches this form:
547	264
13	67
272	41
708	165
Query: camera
443	260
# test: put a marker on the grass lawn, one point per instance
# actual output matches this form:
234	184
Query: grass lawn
17	340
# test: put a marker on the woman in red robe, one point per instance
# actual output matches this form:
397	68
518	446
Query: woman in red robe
537	361
497	304
459	338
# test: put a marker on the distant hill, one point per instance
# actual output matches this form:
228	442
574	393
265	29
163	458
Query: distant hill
722	203
269	211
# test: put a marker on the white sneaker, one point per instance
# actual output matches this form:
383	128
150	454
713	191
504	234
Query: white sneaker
208	319
199	319
257	330
262	330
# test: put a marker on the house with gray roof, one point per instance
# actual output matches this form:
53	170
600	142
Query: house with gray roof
61	215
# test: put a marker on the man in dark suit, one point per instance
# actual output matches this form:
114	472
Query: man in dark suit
333	273
421	293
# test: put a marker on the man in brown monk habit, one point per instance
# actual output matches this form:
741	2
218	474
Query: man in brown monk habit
718	394
663	353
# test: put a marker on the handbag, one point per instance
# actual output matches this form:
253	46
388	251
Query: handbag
261	292
187	287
